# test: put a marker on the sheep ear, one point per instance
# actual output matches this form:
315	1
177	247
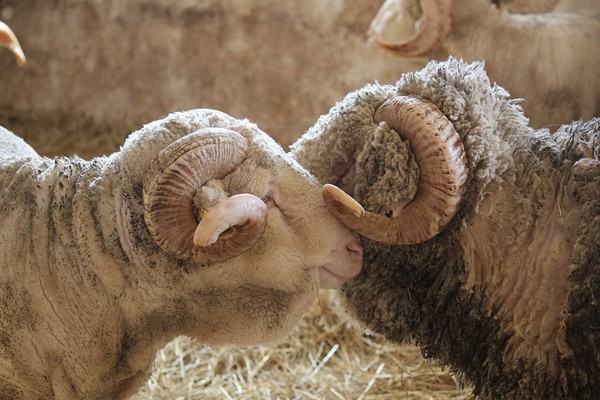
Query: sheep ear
171	189
232	224
344	175
329	154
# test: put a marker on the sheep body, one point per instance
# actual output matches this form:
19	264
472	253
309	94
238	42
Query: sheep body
88	297
507	294
546	57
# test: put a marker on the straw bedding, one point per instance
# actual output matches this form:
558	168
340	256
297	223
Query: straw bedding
325	357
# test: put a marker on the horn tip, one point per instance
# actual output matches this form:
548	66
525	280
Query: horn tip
10	41
341	201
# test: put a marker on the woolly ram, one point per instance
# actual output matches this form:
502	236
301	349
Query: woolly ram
549	56
102	262
481	234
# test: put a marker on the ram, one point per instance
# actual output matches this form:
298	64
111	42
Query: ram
481	234
548	57
200	225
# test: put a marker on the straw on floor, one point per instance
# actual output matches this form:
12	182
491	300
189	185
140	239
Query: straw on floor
324	358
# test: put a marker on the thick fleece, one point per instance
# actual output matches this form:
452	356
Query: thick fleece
508	294
87	296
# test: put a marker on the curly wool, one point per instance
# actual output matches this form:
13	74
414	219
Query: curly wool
349	134
436	293
386	172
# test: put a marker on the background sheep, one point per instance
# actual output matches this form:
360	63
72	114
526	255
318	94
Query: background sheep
135	61
549	57
507	293
124	63
99	270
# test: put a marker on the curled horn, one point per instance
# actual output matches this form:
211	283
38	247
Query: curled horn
432	28
174	177
9	40
438	151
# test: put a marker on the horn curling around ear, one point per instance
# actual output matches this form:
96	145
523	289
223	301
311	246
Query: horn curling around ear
431	29
170	187
241	210
441	158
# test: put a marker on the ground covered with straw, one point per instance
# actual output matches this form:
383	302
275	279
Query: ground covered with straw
324	357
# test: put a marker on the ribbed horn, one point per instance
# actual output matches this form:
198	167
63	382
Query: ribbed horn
432	29
9	40
173	179
439	153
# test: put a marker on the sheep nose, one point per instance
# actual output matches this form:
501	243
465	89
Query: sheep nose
354	262
343	263
355	248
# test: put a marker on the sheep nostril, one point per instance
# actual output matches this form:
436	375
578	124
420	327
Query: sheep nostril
355	247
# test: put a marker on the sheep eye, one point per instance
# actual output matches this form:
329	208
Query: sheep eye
269	196
266	197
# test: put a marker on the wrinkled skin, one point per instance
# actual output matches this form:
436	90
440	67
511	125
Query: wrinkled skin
88	297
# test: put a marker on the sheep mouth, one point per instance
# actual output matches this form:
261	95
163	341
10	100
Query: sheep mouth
333	279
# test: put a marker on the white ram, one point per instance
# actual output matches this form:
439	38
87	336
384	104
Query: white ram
102	262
